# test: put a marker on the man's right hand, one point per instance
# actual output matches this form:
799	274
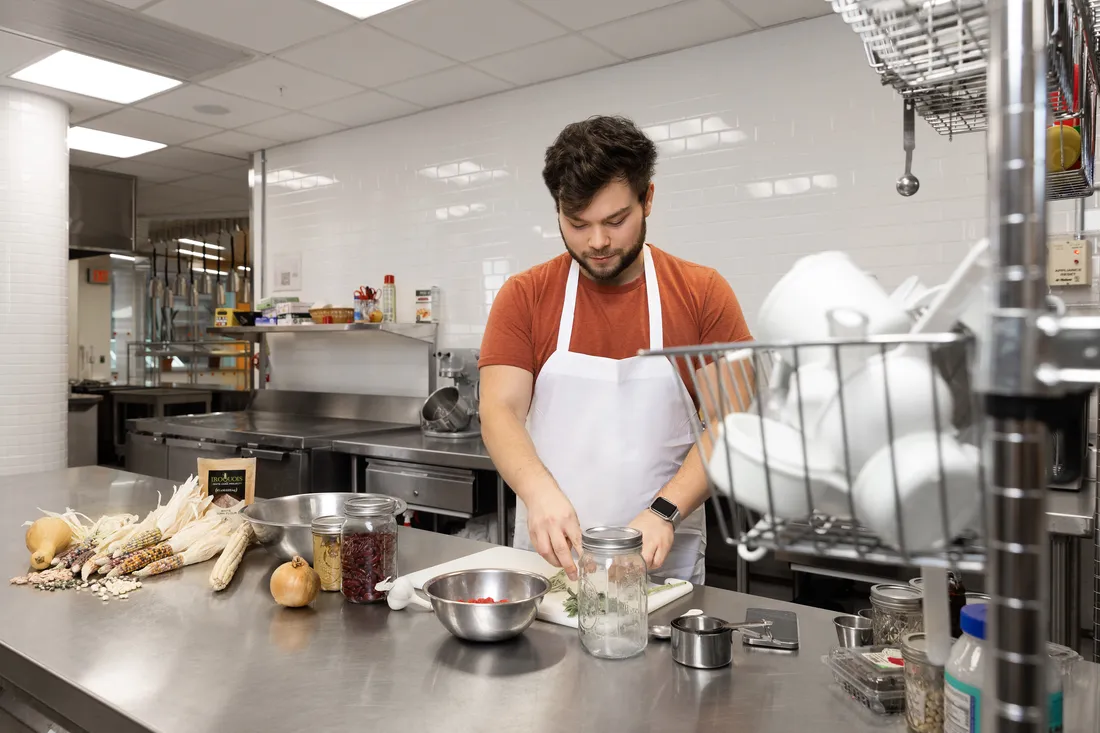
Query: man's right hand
554	528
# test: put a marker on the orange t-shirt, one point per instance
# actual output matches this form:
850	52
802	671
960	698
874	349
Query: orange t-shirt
697	307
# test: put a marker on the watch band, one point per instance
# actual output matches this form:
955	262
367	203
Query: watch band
674	519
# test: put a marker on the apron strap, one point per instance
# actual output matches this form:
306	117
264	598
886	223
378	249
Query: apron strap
653	294
569	308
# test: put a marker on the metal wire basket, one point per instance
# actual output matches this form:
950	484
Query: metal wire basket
853	448
935	52
1071	162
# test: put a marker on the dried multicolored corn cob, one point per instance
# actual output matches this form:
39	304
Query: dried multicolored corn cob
141	558
140	541
62	560
226	566
77	561
160	566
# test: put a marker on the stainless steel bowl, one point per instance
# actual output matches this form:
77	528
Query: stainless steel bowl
446	411
486	621
282	525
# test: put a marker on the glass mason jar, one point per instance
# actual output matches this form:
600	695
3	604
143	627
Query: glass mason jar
923	686
896	610
612	602
368	547
326	550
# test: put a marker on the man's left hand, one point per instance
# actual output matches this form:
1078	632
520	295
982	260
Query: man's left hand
657	536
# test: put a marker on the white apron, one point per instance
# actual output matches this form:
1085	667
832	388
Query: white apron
612	432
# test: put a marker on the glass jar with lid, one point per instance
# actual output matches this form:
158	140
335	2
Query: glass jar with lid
612	604
923	686
896	610
368	546
326	550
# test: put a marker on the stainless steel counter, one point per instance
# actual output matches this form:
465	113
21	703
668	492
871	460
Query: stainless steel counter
409	444
176	658
277	430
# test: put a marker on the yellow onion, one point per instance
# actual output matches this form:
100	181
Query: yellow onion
294	584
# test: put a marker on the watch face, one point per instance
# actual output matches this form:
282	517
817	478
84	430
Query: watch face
664	507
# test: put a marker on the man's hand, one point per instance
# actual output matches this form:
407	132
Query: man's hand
657	536
554	528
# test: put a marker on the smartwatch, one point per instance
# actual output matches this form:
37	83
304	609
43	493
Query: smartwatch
666	510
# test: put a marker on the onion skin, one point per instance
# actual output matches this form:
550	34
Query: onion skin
295	584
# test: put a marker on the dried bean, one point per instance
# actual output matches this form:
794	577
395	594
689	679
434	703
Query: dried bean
366	559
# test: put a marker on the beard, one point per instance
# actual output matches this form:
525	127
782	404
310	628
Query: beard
626	258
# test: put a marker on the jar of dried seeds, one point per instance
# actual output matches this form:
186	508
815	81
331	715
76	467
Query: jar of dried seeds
326	550
895	611
923	686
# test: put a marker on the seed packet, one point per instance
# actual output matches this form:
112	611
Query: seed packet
229	480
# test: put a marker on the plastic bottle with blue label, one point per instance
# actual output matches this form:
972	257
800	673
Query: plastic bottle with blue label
964	677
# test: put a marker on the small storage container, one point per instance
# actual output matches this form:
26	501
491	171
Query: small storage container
896	610
874	676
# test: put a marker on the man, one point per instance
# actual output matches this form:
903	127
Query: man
586	432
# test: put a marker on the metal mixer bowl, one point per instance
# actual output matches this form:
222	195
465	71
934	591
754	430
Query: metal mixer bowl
283	525
486	621
446	411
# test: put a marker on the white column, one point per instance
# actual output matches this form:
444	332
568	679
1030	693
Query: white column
34	246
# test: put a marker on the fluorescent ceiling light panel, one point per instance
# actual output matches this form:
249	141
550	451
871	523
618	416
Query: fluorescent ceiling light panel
92	77
197	254
128	258
364	8
197	243
108	143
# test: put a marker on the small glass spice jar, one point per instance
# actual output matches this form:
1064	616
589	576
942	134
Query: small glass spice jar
612	601
368	552
923	686
895	611
326	550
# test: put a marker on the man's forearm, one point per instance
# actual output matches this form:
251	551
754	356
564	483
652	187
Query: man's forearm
512	452
688	489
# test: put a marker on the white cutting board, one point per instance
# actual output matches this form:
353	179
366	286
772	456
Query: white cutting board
509	558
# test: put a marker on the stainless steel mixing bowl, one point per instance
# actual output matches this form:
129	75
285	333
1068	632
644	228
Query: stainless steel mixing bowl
282	525
446	411
486	621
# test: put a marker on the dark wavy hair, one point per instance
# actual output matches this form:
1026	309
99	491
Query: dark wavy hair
588	155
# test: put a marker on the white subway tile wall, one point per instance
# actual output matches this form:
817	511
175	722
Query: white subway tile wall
773	145
34	225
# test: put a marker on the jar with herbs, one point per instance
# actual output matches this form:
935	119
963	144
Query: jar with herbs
368	547
923	686
612	603
895	611
326	550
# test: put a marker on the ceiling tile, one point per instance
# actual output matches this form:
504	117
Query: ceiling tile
445	87
277	82
366	56
83	159
170	193
689	23
216	186
548	60
363	109
292	128
774	12
182	103
146	171
262	25
195	161
580	14
151	126
235	144
17	52
80	108
468	29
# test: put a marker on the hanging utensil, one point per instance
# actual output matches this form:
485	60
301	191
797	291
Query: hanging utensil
908	184
234	279
181	288
206	284
169	295
193	288
246	289
156	287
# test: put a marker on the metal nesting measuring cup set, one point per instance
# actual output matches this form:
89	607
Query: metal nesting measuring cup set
706	642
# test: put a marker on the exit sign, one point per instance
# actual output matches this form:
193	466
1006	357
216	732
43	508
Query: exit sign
99	277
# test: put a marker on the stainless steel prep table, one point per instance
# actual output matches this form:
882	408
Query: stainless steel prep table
411	446
176	658
277	430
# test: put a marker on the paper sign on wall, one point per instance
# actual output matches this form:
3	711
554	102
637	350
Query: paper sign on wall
288	272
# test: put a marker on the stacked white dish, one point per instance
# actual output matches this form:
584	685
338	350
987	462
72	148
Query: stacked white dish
862	430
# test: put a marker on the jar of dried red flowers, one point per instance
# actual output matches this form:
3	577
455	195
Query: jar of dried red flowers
368	547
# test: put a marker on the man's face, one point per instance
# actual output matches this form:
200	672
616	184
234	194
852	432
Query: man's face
606	238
